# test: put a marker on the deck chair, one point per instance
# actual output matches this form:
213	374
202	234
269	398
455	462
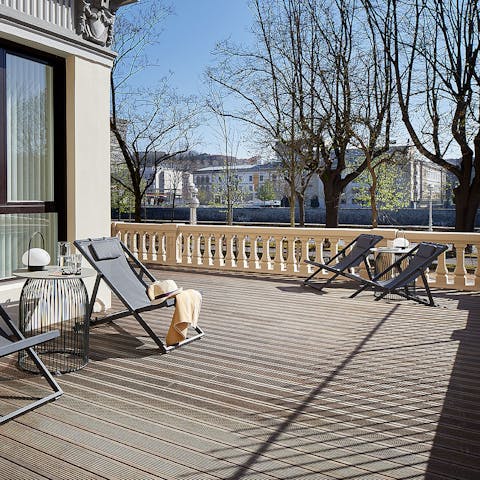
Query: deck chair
360	249
419	259
128	279
15	342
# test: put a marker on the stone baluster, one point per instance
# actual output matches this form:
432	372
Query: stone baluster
199	244
229	260
208	250
291	262
278	260
142	250
441	273
319	250
254	259
304	255
218	257
476	278
242	261
460	273
135	241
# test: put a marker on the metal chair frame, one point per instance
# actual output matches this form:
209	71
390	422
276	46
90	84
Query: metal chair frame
82	246
19	343
400	285
355	260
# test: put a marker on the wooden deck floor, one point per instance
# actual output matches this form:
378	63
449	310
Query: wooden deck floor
287	383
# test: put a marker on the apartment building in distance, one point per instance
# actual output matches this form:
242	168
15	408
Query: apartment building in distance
424	179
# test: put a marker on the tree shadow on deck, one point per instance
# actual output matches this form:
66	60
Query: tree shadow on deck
457	436
245	469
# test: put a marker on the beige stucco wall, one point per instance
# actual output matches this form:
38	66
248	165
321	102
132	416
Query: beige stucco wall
88	151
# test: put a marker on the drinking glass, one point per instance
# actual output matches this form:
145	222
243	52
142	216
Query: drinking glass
73	265
64	250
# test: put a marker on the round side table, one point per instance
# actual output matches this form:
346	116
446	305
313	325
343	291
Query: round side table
384	257
52	301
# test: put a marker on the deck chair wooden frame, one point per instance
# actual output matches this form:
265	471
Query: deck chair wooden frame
16	342
355	253
130	288
419	259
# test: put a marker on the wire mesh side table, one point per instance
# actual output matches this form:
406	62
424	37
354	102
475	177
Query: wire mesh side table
51	301
384	257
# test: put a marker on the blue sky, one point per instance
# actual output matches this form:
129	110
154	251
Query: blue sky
186	44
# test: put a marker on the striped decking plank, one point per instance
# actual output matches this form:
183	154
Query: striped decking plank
287	383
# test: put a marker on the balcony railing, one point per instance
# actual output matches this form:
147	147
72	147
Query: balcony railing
282	251
58	12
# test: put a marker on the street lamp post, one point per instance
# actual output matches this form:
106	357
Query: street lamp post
430	210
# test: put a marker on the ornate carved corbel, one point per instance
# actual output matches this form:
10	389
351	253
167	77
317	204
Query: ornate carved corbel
95	19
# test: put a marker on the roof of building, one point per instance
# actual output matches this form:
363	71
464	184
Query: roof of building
244	168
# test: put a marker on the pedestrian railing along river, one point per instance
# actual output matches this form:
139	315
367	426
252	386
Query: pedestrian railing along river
282	251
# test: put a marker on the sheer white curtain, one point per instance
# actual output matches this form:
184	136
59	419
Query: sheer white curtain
30	162
15	232
29	130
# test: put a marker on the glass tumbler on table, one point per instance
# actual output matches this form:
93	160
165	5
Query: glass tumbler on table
64	250
74	264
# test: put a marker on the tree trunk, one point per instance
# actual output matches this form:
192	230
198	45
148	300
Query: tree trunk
467	202
373	192
229	214
292	204
301	209
332	189
373	205
172	212
137	213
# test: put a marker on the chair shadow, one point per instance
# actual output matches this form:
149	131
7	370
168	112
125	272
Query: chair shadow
300	288
457	437
113	341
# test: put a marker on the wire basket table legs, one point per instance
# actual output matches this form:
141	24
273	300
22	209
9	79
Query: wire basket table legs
56	304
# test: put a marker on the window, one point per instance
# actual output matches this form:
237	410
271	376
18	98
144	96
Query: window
32	152
261	178
250	178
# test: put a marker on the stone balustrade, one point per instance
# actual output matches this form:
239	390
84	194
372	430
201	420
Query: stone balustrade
282	251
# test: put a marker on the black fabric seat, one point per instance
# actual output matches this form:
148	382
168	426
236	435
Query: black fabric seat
349	257
128	279
16	342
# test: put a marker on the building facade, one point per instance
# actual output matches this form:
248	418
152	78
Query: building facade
422	180
210	181
55	63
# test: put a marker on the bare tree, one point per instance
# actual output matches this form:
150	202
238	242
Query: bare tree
157	119
434	52
301	88
266	80
228	185
374	95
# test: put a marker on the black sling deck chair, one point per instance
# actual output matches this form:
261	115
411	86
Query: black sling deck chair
17	342
419	259
360	249
128	279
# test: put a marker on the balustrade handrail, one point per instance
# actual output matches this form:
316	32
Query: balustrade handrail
282	250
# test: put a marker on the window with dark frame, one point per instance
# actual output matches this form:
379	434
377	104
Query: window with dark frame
32	152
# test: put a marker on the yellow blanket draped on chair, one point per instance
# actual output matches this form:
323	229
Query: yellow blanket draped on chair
187	311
